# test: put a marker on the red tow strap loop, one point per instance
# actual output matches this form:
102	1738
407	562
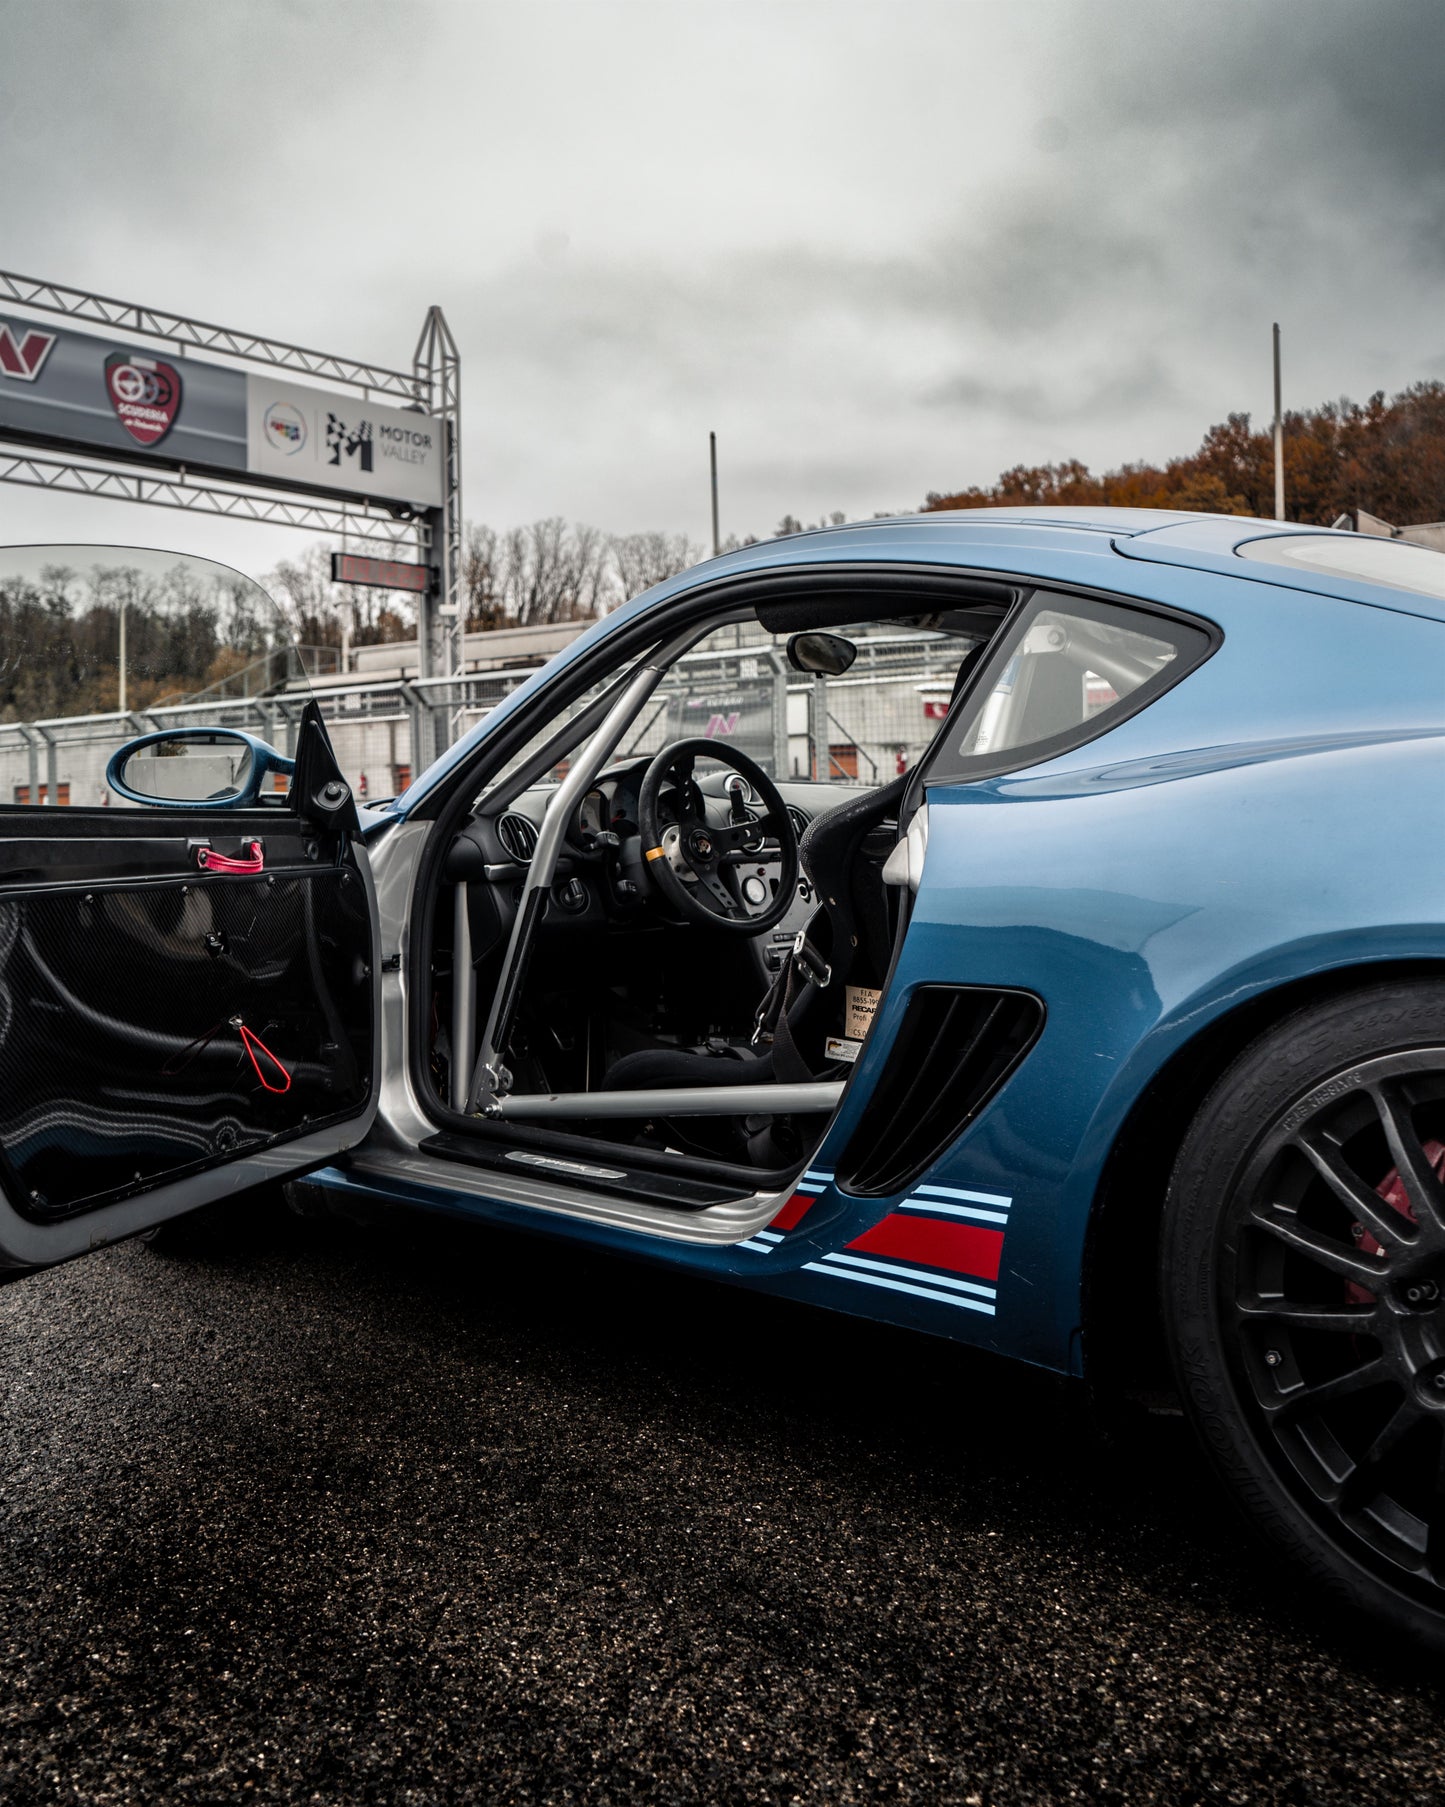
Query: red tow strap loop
254	1046
245	867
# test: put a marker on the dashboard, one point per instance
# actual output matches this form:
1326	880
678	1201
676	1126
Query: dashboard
602	882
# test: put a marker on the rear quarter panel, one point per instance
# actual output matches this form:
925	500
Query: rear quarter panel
1278	814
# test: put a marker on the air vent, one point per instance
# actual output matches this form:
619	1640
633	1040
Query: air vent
518	837
956	1046
799	820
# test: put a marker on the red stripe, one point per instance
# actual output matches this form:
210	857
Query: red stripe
963	1248
793	1212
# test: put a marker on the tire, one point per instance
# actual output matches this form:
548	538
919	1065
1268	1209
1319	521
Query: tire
1302	1269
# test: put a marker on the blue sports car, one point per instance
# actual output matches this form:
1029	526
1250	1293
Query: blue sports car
1023	926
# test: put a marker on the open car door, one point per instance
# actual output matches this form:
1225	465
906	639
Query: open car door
188	971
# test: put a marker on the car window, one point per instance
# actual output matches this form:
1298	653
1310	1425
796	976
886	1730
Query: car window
102	644
1375	560
1069	669
736	686
864	727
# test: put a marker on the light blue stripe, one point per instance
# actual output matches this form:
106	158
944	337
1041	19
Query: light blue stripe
817	1174
936	1208
979	1198
896	1286
767	1236
900	1272
758	1248
807	1190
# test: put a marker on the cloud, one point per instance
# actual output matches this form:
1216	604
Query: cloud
881	249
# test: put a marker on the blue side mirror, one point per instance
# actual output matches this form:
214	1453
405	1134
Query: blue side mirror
222	768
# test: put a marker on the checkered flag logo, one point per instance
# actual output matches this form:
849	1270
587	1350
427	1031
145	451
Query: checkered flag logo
343	441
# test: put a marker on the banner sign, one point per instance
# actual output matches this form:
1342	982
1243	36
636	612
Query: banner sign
90	394
380	573
739	713
71	387
342	442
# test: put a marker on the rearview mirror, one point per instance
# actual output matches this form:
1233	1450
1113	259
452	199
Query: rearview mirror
179	768
828	655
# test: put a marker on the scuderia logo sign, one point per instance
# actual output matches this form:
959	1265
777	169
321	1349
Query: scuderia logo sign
145	393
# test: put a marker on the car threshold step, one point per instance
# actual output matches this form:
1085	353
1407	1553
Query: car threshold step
597	1173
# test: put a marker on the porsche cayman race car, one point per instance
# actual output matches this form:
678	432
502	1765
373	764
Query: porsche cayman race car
1025	927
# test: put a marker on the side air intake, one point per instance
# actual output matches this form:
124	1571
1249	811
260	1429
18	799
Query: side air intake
956	1046
518	837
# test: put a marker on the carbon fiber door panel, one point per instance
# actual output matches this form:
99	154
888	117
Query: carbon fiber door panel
150	1030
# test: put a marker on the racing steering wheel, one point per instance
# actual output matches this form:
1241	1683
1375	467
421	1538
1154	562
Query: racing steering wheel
696	866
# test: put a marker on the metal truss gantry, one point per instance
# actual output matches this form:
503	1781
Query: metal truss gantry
200	335
199	495
433	383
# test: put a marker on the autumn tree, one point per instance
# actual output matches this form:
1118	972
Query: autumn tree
1384	456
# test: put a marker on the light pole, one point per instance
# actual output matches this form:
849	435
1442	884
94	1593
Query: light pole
1278	435
120	593
712	455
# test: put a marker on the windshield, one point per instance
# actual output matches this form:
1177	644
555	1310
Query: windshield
99	644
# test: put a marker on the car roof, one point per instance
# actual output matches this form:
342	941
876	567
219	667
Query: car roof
1114	521
1202	542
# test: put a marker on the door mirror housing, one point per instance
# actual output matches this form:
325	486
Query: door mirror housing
829	655
222	768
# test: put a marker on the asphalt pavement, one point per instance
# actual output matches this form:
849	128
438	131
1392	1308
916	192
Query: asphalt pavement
332	1514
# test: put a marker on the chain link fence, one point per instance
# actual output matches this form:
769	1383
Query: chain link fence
863	728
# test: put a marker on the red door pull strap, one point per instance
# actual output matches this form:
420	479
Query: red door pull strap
254	1046
246	866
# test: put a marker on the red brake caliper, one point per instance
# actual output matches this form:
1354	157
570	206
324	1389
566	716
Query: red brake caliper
1392	1190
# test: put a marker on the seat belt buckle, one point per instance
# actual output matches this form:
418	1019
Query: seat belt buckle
818	971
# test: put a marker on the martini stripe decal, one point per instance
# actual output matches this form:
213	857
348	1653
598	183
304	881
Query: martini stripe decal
899	1286
936	1208
943	1244
962	1248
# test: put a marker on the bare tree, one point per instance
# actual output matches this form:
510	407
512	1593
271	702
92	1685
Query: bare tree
329	614
547	571
790	524
641	560
553	572
483	577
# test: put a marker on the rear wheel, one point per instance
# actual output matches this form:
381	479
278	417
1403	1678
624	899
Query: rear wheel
1303	1274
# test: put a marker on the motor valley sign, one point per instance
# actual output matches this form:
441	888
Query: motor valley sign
86	393
342	442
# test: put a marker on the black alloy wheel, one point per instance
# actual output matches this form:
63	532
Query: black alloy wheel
1303	1272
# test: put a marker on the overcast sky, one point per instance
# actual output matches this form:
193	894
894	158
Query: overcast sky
880	248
